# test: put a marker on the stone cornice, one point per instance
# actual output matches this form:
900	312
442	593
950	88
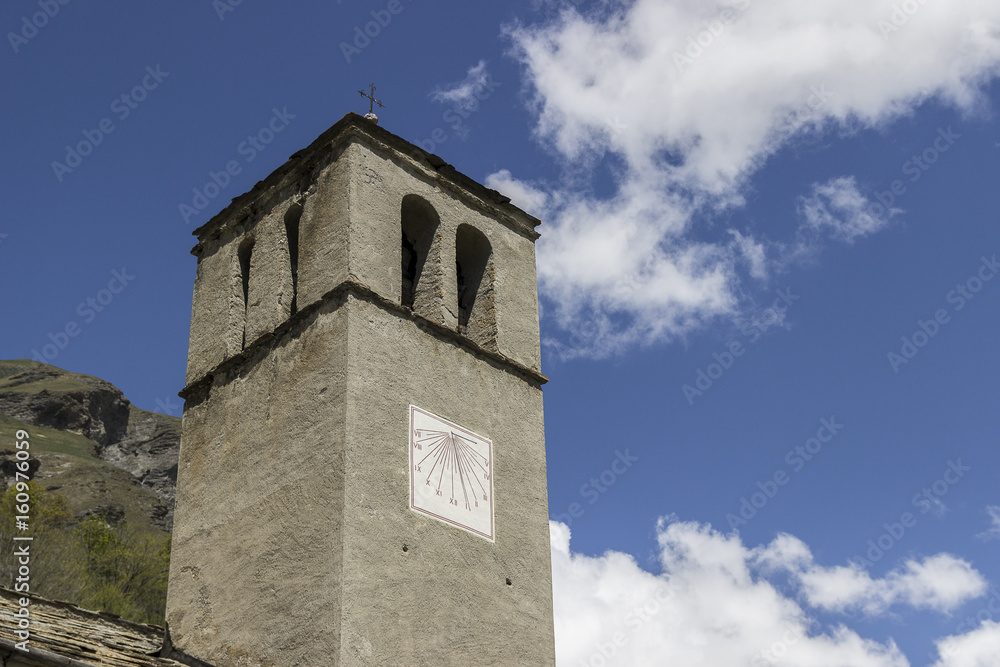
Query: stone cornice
297	323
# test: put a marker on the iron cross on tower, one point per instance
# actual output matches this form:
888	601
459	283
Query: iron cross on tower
371	103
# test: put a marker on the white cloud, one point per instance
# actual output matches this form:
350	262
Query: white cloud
978	648
839	209
713	603
993	532
753	253
524	196
465	94
626	257
941	583
936	506
691	99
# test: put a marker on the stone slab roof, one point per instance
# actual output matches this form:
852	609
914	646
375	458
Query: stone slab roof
64	634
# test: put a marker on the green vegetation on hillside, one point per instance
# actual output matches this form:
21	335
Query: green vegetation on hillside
48	440
15	366
96	541
90	563
69	465
61	381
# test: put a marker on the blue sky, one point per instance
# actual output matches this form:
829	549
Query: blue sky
766	275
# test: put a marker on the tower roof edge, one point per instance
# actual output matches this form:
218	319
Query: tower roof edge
357	126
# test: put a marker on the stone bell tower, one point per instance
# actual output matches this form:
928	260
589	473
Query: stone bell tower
362	468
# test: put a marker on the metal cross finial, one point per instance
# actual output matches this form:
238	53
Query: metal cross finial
371	99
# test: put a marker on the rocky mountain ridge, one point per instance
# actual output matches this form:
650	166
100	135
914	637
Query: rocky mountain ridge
145	444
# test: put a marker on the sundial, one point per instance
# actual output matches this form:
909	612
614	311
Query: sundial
451	473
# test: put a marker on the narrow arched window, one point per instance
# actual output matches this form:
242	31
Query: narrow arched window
419	222
245	253
474	272
292	217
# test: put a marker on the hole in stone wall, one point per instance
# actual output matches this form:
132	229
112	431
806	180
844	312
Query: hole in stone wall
476	303
409	266
245	253
419	223
292	217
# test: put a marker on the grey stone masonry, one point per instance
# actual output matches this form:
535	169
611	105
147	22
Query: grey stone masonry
363	276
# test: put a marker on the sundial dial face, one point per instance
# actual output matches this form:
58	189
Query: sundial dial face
451	473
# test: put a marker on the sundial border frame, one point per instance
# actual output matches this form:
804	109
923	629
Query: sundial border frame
491	537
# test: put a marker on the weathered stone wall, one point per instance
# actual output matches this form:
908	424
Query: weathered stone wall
290	544
255	568
377	185
269	297
350	230
444	600
293	479
211	341
323	234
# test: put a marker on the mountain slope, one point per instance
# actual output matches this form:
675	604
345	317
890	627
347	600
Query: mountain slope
106	455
